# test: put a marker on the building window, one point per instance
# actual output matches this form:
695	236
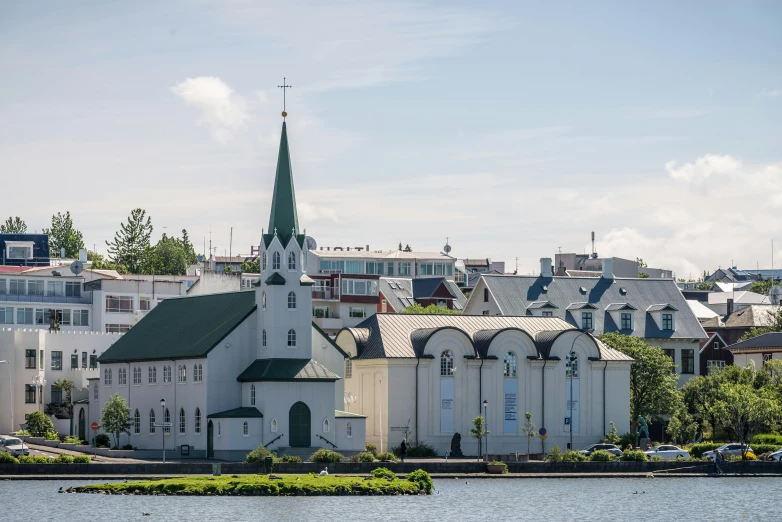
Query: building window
390	268
357	311
219	429
117	328
152	375
182	423
688	360
122	377
548	314
263	338
107	377
6	315
145	303
263	262
349	430
571	366
81	318
181	373
586	321
626	321
56	394
359	287
375	267
485	295
198	420
292	261
167	420
136	423
404	268
151	421
348	368
29	393
74	361
34	287
24	316
56	360
276	261
274	425
291	338
326	426
95	390
670	353
72	289
252	395
291	301
93	362
446	363
17	286
166	374
263	300
84	360
246	429
435	269
667	321
137	376
714	366
510	365
198	373
119	304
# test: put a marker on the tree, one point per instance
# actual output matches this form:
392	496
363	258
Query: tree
641	262
407	248
479	431
66	385
13	225
115	417
745	412
528	429
63	235
251	267
168	257
643	275
703	286
98	262
187	245
653	378
762	287
130	246
775	325
432	309
682	426
38	424
699	395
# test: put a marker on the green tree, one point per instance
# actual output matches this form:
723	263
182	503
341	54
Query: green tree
479	431
407	248
417	309
251	267
168	257
774	325
13	225
98	262
682	426
653	379
66	385
130	246
699	395
38	424
762	287
643	275
641	262
703	286
63	235
115	417
187	245
745	411
529	429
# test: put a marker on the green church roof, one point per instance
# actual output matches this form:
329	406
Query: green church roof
275	279
246	412
286	370
181	328
284	219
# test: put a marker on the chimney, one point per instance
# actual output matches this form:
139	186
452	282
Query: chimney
545	267
83	255
608	268
730	306
367	248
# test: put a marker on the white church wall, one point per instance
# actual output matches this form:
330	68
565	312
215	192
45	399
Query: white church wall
358	432
226	361
230	442
324	353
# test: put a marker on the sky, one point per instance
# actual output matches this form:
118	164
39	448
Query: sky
509	129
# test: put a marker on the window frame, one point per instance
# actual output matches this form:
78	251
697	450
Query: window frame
509	365
291	338
56	356
292	300
688	361
446	363
587	320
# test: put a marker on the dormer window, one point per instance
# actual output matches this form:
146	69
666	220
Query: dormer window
668	321
586	321
663	315
626	319
19	249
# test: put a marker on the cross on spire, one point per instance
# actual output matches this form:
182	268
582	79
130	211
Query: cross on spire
283	87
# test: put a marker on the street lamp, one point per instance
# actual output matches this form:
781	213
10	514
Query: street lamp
163	423
485	428
39	382
350	398
10	393
571	358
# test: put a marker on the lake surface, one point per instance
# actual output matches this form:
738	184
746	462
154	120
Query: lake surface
458	499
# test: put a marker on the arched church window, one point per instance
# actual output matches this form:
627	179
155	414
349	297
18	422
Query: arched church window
263	300
182	424
252	395
291	301
198	420
349	430
291	338
137	423
263	338
276	261
263	262
246	429
292	261
325	425
151	421
446	363
274	425
167	420
510	365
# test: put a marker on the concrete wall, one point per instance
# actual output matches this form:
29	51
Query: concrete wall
216	283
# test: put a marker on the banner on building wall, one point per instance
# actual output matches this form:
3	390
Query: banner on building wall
511	406
446	405
572	401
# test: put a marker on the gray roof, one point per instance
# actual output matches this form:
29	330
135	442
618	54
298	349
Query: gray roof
405	336
537	305
769	341
753	315
401	293
514	293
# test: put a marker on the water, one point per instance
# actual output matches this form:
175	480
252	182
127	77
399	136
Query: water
458	499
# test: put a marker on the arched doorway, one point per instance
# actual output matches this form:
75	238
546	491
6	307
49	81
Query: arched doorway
82	425
210	441
299	422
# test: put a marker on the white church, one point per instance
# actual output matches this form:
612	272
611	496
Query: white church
231	371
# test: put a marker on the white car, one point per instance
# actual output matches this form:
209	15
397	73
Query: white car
727	450
15	447
777	456
667	452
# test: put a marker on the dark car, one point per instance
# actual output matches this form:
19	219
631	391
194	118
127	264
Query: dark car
610	448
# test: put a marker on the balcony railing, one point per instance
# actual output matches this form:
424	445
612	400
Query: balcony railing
326	294
53	299
322	314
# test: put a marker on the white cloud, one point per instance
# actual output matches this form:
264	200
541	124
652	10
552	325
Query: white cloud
220	109
771	92
704	168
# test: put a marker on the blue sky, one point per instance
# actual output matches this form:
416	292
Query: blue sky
512	128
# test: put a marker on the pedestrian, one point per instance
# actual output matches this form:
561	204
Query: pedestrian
403	450
717	459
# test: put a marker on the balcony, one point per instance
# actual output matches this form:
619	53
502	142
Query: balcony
325	294
328	323
51	299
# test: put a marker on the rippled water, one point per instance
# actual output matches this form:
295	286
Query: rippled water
611	499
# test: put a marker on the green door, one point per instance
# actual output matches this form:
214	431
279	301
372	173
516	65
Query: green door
82	425
300	425
210	441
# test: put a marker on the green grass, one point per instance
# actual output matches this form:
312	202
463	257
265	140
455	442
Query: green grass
286	485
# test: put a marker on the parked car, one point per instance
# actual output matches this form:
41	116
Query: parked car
776	456
15	447
610	448
667	452
728	450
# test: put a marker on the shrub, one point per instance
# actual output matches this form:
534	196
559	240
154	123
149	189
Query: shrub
421	450
27	459
764	448
62	458
7	458
554	454
633	456
499	463
697	450
611	437
387	456
73	440
102	440
128	447
767	438
354	458
574	456
293	459
423	480
602	456
383	473
365	457
656	458
325	456
372	449
39	424
52	435
737	458
257	455
81	459
626	439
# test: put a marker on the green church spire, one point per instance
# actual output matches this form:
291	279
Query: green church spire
283	220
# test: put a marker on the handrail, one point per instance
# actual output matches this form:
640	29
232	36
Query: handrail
267	445
327	440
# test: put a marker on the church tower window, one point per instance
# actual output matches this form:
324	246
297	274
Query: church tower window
572	391
348	368
263	338
252	395
263	262
349	430
446	363
276	261
291	338
510	365
292	261
274	425
291	301
263	300
246	429
325	425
